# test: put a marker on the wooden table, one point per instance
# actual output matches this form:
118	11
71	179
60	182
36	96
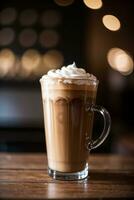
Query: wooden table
24	176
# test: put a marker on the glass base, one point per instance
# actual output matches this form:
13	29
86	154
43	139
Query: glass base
69	176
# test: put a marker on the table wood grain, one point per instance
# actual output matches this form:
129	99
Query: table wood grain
24	176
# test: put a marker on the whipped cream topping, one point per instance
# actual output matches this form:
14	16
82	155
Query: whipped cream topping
70	71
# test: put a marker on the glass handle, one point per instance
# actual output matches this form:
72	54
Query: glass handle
107	125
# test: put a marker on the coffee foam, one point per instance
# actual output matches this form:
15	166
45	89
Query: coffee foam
69	74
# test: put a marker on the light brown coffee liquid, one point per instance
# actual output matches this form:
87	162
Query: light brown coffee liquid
68	127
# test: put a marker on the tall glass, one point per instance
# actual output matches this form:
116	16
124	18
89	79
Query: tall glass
69	106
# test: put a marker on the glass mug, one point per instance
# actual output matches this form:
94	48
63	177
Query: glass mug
68	107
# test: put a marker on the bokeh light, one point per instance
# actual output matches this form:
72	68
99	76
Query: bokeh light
53	59
111	22
21	72
93	4
49	38
40	70
28	17
7	35
8	16
7	61
30	60
51	18
27	37
120	60
64	2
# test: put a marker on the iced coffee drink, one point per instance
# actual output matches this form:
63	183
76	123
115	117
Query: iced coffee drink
68	95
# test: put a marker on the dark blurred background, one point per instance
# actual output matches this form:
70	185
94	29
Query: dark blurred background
36	36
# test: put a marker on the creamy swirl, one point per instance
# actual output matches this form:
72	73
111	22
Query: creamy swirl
70	72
